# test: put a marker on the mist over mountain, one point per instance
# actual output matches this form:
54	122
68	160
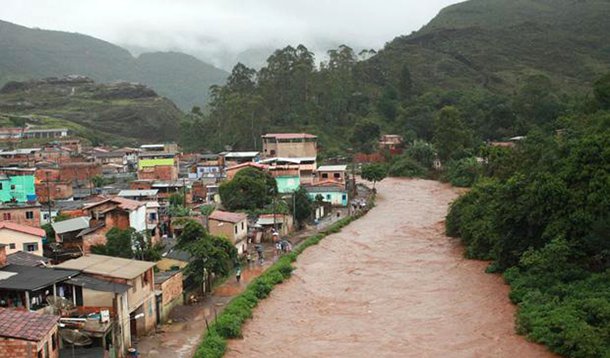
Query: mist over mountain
34	53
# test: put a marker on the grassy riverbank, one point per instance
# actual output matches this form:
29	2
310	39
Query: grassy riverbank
228	324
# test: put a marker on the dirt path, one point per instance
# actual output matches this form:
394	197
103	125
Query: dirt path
389	285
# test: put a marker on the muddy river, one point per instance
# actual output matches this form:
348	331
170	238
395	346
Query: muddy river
389	285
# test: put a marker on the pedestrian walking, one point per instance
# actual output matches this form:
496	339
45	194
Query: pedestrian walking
238	274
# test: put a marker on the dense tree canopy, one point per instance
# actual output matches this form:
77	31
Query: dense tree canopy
541	214
250	189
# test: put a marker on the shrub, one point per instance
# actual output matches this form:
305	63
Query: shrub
228	325
406	166
261	288
212	346
464	172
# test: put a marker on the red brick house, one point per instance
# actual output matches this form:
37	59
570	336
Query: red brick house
28	334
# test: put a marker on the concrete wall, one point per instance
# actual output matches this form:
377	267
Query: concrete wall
171	294
228	230
137	219
8	237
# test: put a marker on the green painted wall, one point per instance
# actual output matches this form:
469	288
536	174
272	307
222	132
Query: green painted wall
287	184
147	163
336	198
17	187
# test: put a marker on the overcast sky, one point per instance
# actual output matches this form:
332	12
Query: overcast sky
215	28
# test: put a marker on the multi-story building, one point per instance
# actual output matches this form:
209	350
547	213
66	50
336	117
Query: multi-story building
17	185
289	145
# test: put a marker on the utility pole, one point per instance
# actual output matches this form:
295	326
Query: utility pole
294	206
48	196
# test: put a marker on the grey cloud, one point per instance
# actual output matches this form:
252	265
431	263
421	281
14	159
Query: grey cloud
219	30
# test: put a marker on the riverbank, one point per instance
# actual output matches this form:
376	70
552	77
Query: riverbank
390	284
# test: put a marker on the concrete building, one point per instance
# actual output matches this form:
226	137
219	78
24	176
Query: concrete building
233	226
21	238
290	145
137	314
28	334
337	173
17	185
169	292
21	213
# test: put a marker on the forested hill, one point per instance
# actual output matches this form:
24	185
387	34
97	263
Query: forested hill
119	113
489	59
495	43
33	53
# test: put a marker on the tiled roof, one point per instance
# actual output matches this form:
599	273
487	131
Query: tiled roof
22	228
24	325
226	216
288	135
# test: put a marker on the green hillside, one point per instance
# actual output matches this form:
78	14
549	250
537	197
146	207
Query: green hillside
506	67
117	113
496	44
34	53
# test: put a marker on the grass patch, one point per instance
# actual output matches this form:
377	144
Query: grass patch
230	321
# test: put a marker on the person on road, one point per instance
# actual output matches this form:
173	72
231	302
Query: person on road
238	274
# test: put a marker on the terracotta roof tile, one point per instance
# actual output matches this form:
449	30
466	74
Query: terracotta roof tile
226	216
24	325
22	228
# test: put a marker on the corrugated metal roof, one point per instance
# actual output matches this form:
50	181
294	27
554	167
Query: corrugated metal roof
70	225
131	193
29	278
26	259
95	284
288	135
332	168
108	266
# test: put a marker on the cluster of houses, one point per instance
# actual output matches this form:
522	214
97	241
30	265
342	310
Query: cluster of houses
54	292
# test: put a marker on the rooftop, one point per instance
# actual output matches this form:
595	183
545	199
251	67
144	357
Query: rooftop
22	228
288	135
161	277
123	203
76	224
138	193
332	168
227	216
240	154
26	259
95	284
108	266
28	278
27	326
248	164
289	160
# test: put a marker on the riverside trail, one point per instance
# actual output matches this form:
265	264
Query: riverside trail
389	285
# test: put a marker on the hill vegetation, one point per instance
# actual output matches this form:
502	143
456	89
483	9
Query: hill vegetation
488	59
34	53
118	113
540	213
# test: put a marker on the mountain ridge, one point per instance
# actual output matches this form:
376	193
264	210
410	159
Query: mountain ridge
181	77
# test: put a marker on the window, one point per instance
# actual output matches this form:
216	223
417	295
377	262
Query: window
337	175
6	216
0	186
344	197
145	280
13	187
325	175
236	229
327	196
153	216
40	354
30	246
29	215
54	341
11	246
242	225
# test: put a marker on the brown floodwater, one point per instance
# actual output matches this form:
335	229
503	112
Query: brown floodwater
389	285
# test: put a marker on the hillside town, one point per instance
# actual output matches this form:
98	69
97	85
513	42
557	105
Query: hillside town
68	278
